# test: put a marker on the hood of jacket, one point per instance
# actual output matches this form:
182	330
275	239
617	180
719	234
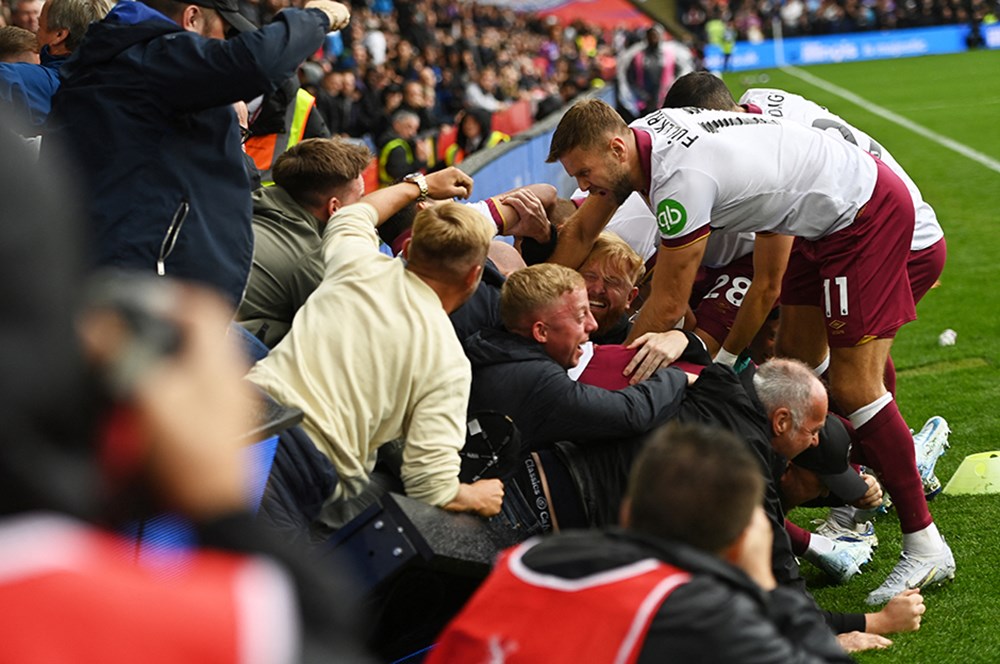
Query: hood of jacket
490	347
128	23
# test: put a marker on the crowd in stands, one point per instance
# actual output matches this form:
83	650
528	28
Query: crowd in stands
214	154
757	20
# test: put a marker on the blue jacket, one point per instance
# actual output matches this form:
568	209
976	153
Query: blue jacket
28	88
144	110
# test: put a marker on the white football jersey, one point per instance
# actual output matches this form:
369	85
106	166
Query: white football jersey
781	104
738	172
632	222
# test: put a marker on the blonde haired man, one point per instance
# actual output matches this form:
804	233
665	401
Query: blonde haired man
521	371
372	356
612	273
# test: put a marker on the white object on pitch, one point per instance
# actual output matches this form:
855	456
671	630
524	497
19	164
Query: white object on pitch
947	338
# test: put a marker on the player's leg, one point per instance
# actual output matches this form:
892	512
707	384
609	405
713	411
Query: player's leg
856	385
720	299
802	335
867	298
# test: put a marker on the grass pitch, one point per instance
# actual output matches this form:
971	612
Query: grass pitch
957	97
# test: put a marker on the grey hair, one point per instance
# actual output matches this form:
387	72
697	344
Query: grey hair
75	16
785	383
404	115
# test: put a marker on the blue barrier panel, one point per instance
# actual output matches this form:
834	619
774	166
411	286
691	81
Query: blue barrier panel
991	35
849	47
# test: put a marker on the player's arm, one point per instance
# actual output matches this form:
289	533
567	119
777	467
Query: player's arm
770	258
577	236
676	268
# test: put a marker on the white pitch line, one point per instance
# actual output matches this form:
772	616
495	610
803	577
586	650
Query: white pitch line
943	141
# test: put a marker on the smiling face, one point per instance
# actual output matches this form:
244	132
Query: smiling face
609	293
564	326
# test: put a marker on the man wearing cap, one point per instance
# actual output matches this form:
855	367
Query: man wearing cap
145	111
823	473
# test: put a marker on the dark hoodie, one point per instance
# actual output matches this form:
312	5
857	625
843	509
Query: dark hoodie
144	109
515	376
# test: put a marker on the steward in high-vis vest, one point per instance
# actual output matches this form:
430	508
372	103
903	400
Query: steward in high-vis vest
286	117
400	152
475	132
689	579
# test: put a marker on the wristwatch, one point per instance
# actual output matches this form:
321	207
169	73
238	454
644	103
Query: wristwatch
419	180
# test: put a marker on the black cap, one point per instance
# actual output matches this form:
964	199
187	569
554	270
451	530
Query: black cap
830	461
230	12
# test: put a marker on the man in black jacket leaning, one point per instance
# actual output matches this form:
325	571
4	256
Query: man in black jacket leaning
521	371
144	109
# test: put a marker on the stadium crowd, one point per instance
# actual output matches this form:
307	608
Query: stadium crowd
756	21
680	353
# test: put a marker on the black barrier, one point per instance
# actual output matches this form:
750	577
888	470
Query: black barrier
418	565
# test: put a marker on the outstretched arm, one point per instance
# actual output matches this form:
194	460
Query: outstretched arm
770	258
672	280
577	236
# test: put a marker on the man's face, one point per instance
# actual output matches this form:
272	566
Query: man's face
609	293
407	128
598	171
26	15
798	436
564	326
413	95
45	37
471	127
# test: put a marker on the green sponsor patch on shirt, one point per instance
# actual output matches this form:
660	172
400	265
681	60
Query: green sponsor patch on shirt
671	217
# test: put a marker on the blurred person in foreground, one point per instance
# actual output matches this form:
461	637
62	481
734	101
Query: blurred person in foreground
71	589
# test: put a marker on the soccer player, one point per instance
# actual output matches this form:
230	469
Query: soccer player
852	219
928	249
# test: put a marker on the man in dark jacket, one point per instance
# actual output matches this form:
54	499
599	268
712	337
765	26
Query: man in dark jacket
689	579
144	108
521	371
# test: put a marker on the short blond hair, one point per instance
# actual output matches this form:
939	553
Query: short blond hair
448	239
585	125
529	290
615	254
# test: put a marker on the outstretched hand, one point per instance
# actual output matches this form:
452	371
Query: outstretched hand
532	220
858	641
656	350
872	497
449	183
338	15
